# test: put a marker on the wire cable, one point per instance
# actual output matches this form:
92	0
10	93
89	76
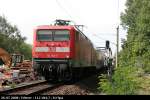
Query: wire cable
59	4
103	38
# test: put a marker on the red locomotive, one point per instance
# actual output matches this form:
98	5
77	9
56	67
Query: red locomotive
60	51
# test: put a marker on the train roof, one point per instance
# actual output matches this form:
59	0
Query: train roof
54	27
69	27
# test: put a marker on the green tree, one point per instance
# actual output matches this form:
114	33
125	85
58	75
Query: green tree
137	21
135	54
26	50
10	36
11	39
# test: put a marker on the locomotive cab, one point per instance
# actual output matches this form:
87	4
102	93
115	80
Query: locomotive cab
54	43
52	51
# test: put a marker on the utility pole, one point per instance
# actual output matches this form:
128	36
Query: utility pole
117	45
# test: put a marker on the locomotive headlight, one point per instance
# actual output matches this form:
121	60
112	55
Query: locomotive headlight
67	56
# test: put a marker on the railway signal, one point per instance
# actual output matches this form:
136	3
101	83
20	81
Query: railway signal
107	44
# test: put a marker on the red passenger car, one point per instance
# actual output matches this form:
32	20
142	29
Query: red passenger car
58	50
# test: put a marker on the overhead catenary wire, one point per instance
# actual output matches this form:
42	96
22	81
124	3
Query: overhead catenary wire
59	4
97	36
103	39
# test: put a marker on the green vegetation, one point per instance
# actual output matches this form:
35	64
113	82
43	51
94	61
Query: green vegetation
13	85
11	39
26	50
125	81
132	76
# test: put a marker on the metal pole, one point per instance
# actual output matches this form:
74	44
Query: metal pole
117	45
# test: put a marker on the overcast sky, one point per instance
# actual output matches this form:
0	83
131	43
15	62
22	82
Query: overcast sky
101	17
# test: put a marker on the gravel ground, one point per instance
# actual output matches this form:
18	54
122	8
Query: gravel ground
69	90
85	87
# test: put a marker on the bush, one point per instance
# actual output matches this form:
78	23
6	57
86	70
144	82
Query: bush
125	81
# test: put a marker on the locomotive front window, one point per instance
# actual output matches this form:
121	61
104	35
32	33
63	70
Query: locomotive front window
61	35
44	35
52	35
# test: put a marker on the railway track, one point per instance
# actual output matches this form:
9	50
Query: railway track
36	88
31	89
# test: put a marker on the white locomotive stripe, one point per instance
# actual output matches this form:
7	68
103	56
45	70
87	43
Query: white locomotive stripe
54	49
62	49
41	49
